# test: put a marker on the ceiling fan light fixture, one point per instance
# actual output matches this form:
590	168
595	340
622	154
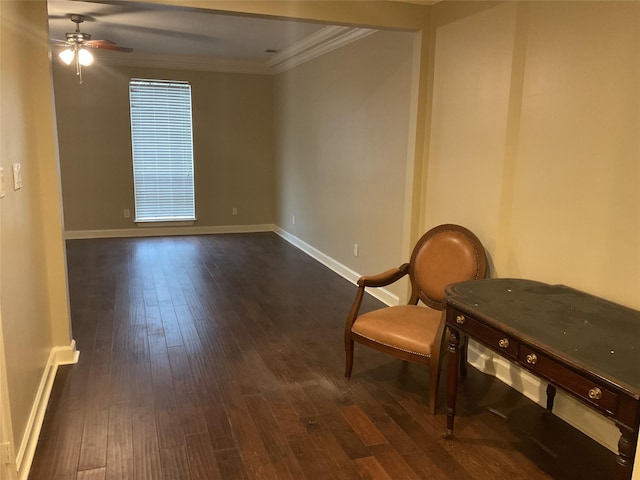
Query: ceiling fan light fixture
67	55
77	42
85	57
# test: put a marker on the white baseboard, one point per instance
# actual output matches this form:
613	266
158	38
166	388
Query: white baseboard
58	356
165	231
566	407
381	294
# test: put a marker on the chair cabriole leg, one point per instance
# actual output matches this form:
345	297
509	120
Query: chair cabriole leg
348	349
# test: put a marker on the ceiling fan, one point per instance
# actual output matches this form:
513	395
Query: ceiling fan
76	43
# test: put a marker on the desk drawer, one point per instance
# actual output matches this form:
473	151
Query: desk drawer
583	388
490	337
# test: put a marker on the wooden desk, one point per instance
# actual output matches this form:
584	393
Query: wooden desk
584	345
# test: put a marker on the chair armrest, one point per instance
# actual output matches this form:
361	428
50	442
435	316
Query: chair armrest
380	280
385	278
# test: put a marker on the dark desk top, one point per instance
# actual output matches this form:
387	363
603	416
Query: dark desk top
587	331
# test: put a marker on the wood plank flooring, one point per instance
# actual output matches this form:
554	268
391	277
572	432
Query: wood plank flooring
221	357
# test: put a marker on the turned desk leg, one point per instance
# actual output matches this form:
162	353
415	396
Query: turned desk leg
551	395
626	454
453	363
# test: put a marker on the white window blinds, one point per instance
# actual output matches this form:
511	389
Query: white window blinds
162	141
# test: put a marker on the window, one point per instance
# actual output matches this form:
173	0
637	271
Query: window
162	141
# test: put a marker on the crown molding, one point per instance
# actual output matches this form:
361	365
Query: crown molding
319	43
183	62
315	45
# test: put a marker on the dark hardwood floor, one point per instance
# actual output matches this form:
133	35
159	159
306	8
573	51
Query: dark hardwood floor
222	357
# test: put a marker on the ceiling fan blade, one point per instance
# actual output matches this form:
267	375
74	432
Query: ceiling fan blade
107	45
56	41
161	31
100	42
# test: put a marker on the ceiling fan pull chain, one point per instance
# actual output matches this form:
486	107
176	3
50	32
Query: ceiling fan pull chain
78	66
78	45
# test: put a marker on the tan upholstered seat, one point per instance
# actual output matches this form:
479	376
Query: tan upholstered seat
404	328
445	254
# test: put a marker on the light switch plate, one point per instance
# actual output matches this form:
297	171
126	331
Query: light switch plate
2	192
17	176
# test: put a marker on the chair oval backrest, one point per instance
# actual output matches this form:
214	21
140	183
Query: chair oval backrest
445	254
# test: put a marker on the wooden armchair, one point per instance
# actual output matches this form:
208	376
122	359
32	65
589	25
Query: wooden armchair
445	254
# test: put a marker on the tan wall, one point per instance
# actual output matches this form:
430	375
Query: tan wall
233	146
393	15
372	13
535	144
342	124
536	114
33	297
534	129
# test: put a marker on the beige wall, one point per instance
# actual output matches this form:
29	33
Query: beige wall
535	125
535	144
372	13
532	142
394	15
342	125
33	297
233	145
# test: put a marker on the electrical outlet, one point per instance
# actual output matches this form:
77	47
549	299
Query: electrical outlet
234	211
355	249
293	219
127	213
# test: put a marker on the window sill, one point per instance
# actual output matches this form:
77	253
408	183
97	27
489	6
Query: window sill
172	223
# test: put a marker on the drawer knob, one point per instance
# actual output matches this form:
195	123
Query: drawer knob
460	319
595	393
532	359
503	343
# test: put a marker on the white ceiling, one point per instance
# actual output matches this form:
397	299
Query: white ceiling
198	39
173	31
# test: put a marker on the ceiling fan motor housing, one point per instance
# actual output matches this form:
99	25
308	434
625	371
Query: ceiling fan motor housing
78	37
77	19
